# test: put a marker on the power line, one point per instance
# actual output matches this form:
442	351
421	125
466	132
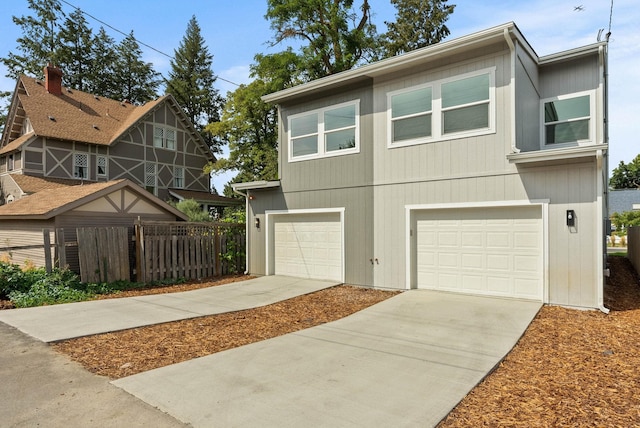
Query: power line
127	35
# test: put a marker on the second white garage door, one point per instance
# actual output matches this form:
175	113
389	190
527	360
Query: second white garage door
489	251
308	245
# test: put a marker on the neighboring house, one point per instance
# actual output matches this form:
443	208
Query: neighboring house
623	200
109	203
53	132
472	166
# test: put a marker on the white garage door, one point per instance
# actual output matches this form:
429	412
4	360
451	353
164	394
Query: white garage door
489	251
308	245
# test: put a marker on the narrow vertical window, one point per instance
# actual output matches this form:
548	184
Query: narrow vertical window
178	177
102	166
150	177
158	136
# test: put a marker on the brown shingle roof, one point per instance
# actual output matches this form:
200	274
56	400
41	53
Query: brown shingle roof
46	203
30	184
15	144
74	115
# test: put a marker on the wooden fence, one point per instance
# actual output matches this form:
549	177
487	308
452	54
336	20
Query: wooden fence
149	251
170	250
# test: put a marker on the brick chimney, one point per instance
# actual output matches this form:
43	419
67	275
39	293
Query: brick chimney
53	79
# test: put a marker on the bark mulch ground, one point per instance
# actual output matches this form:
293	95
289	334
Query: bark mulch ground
570	369
128	352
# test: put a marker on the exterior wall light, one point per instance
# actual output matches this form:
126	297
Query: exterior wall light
571	218
257	223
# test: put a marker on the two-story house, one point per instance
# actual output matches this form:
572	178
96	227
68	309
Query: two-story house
129	159
471	166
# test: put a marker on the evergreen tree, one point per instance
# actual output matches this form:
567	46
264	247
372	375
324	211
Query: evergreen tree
75	52
419	23
191	81
39	41
103	60
136	81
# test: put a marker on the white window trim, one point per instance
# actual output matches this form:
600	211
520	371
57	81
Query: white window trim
322	153
592	120
163	144
437	110
86	167
177	176
106	172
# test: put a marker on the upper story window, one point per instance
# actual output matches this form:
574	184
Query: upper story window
102	166
455	107
568	119
81	165
10	163
178	177
330	131
164	137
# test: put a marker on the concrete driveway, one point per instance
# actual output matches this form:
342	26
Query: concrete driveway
59	322
405	362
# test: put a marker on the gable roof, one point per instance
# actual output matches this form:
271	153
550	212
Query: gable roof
79	116
47	204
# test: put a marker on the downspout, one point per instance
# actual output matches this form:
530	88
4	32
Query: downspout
603	172
512	85
600	234
246	227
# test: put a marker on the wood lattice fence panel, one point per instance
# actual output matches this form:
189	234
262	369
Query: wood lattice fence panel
171	250
103	254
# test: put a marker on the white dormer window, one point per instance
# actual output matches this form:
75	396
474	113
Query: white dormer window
164	137
81	166
568	119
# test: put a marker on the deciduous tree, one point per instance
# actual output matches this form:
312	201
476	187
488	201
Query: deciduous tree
626	176
335	35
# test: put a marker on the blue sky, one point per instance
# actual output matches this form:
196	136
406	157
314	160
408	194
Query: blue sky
235	31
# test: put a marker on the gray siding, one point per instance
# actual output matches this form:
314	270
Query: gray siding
352	170
527	83
25	233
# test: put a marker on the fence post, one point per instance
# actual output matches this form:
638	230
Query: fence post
61	248
47	250
140	257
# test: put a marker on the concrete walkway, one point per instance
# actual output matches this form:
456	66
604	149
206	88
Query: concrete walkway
59	322
405	362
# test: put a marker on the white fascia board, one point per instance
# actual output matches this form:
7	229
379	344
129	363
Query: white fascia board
390	64
557	154
252	185
591	49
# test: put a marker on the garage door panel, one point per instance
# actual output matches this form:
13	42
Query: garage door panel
308	245
492	251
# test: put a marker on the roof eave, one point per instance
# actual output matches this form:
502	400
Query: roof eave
388	65
254	185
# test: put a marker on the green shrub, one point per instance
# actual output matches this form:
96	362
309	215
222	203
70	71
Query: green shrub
14	278
61	286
